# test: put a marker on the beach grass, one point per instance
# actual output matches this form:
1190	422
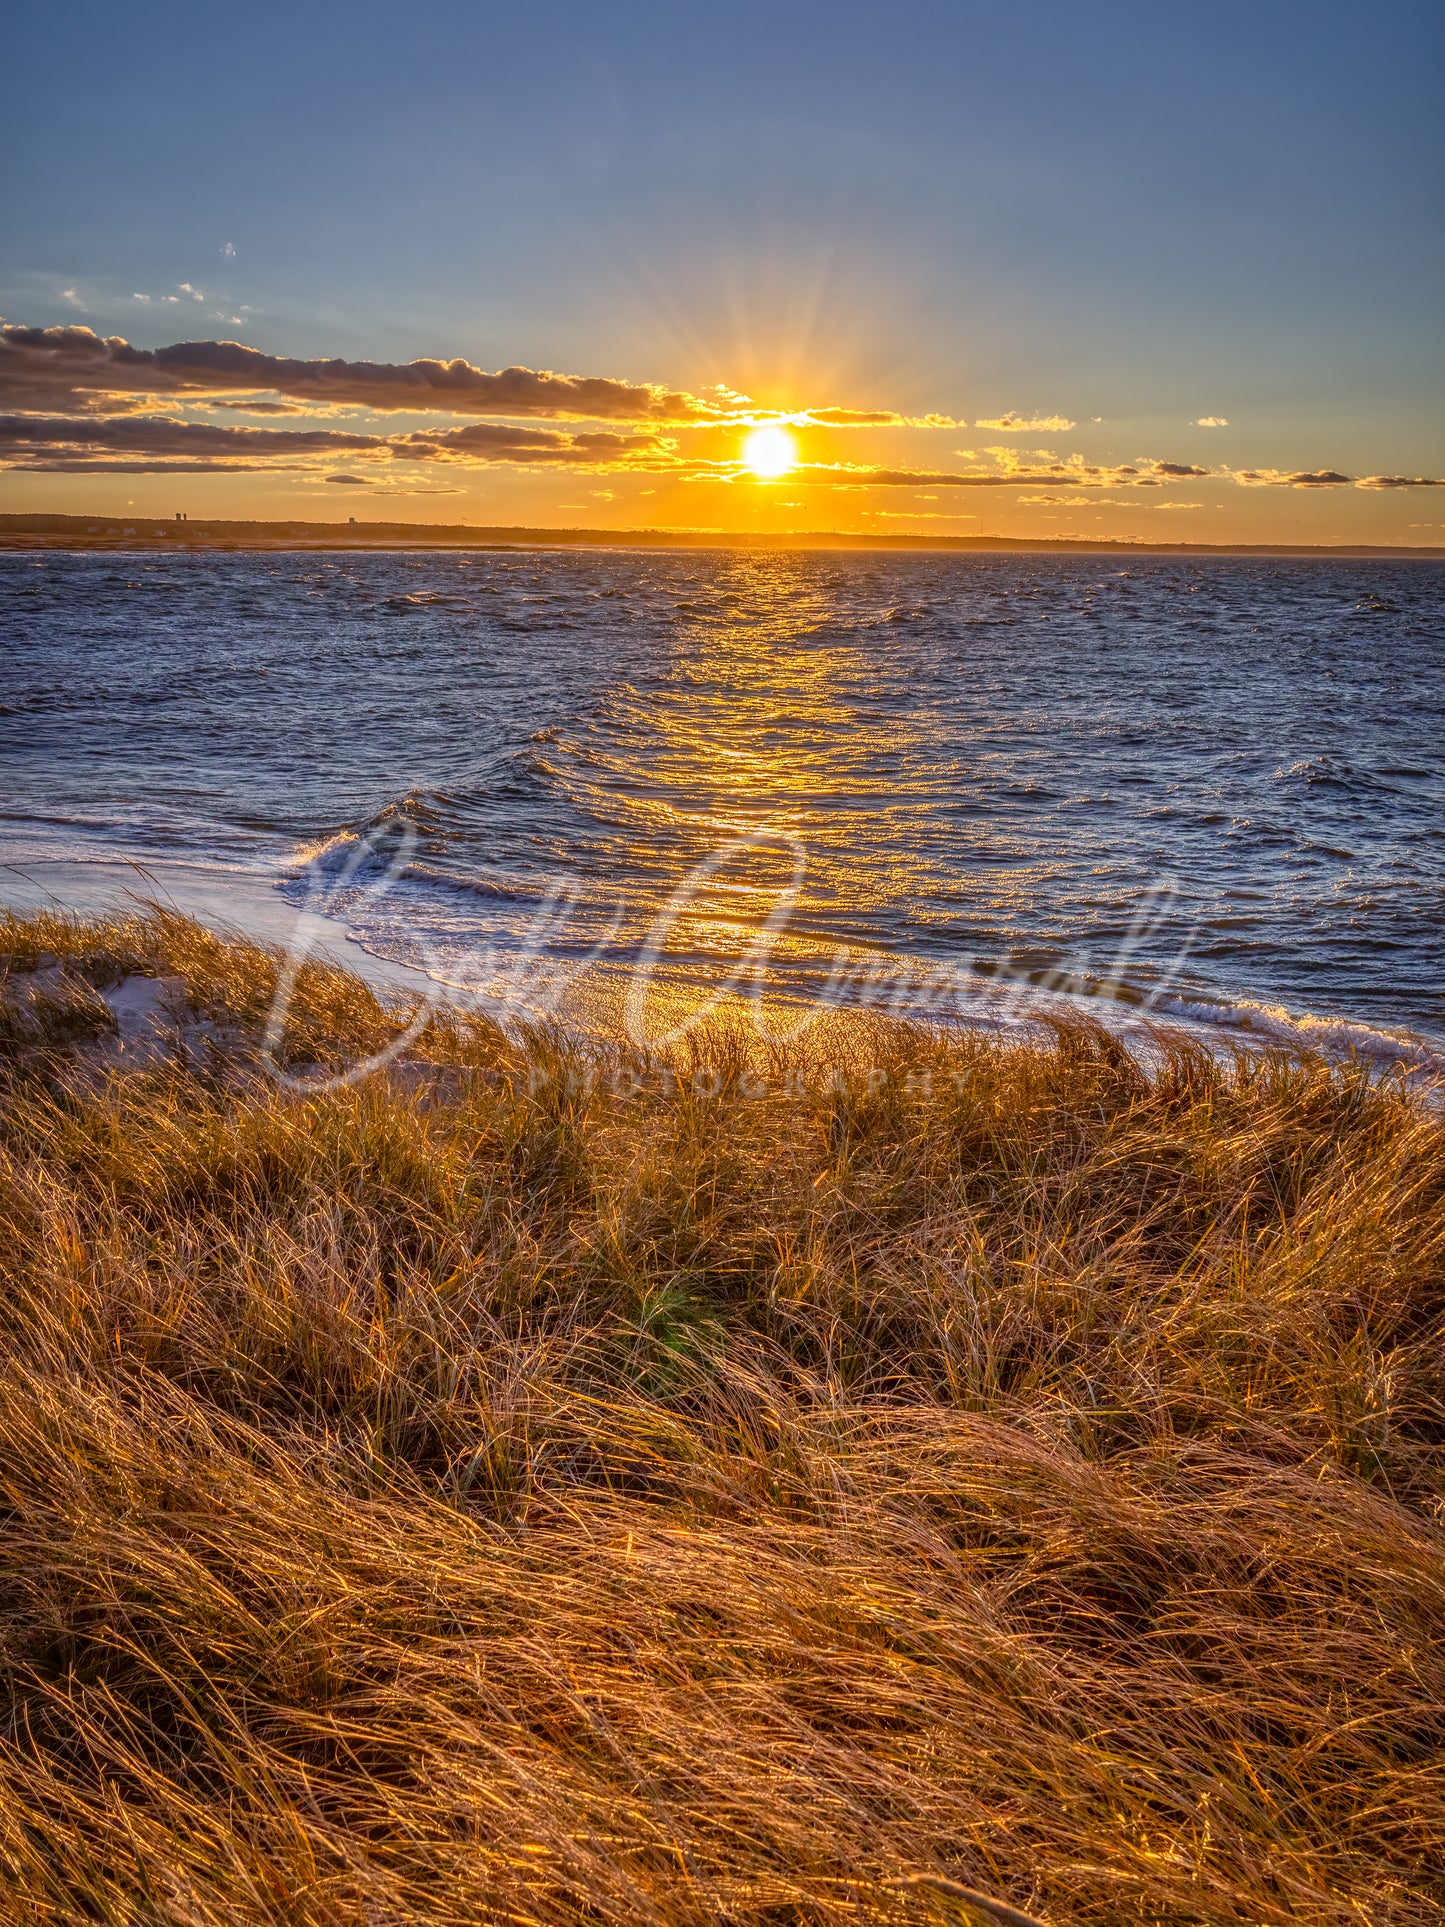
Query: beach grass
546	1483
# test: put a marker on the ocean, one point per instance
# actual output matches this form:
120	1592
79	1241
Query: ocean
1205	790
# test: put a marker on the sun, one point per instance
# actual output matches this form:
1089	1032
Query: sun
770	453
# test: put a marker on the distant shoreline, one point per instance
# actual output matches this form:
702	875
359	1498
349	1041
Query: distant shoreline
114	532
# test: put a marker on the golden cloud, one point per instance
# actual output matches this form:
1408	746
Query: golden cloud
1029	424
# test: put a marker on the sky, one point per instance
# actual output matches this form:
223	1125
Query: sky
1045	269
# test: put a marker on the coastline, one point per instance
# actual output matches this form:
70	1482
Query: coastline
244	906
137	532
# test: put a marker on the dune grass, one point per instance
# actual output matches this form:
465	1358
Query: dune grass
560	1488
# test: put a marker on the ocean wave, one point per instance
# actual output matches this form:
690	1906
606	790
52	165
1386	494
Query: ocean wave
428	599
411	821
1333	772
1306	1031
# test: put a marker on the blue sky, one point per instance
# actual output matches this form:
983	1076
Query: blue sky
1142	214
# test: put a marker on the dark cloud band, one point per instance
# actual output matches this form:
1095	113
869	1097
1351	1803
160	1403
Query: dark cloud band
156	441
57	368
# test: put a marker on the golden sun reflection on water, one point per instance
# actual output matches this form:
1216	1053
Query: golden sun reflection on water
770	732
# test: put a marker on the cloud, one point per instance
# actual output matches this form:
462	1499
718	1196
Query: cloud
855	475
1211	421
1029	424
47	367
1018	459
875	418
161	437
1012	471
1280	478
1074	501
1400	481
228	248
159	441
1040	465
381	484
247	406
108	407
494	441
183	289
80	465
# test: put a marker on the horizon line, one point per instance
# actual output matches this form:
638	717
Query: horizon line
63	531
